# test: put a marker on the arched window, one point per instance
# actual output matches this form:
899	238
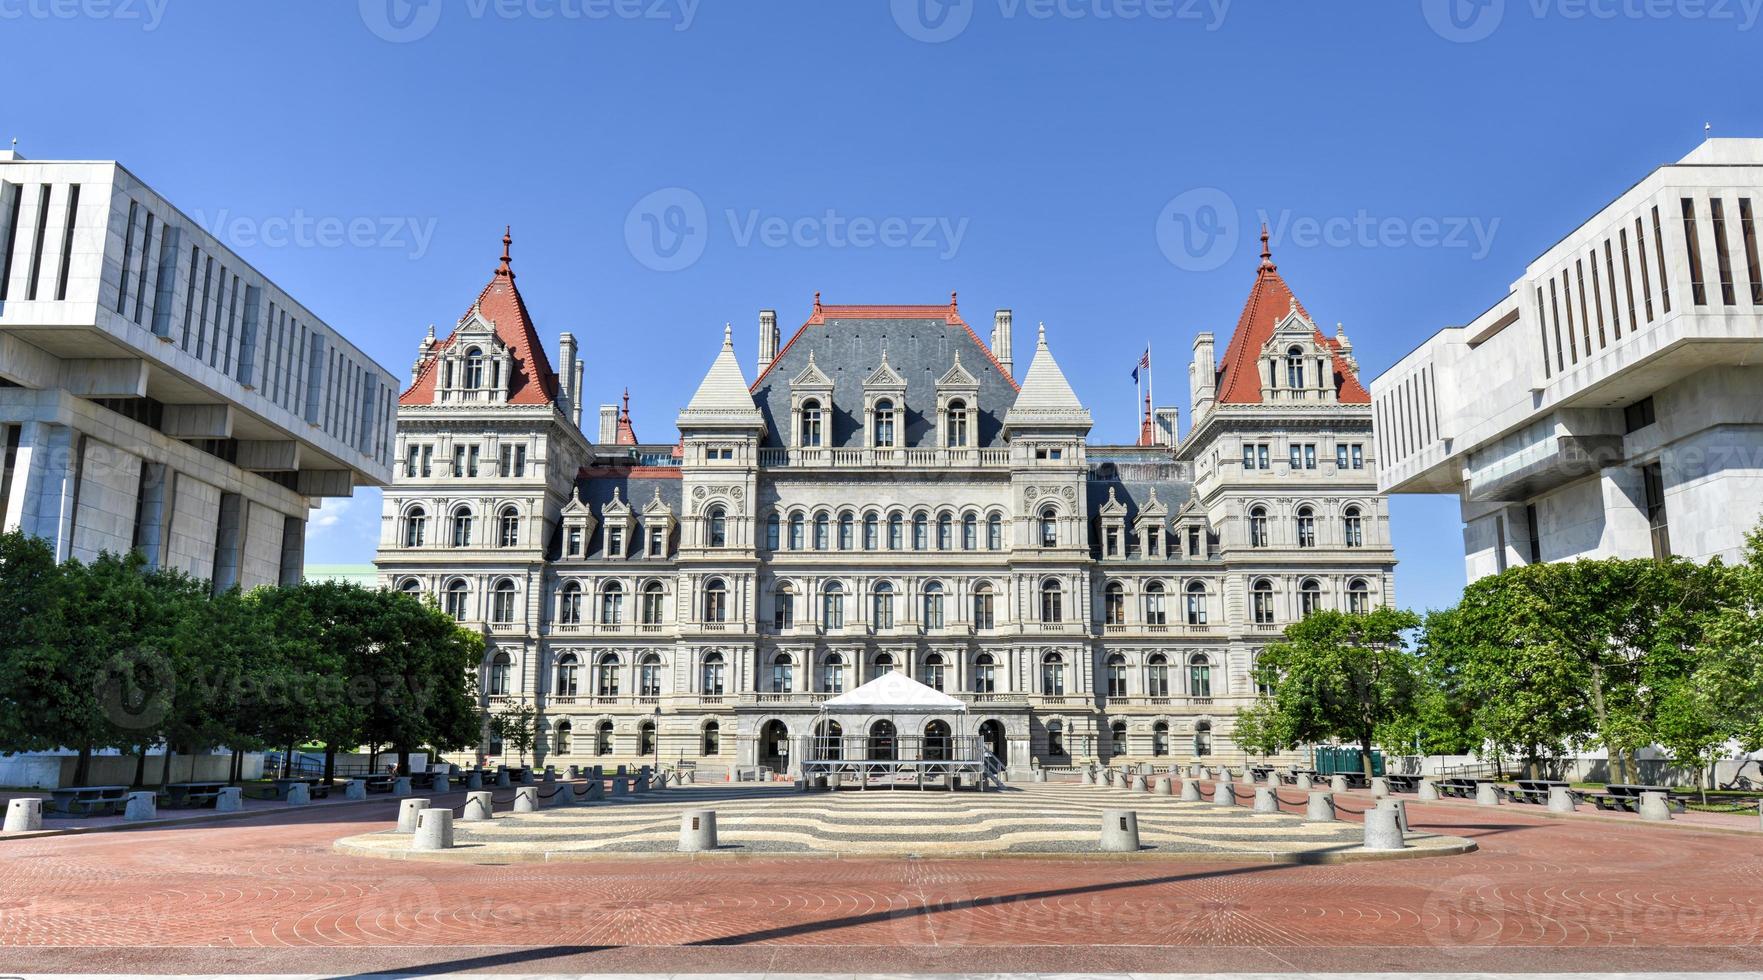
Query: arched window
649	676
474	368
1157	676
896	531
1261	601
1116	675
1052	601
983	618
933	605
871	537
1052	673
1160	738
847	527
884	424
1258	527
884	662
783	673
1156	614
1055	738
1049	525
718	524
985	674
716	601
994	533
606	676
713	674
881	740
933	671
957	436
1196	604
711	739
569	604
1200	676
936	740
1306	527
832	606
1114	604
1353	528
970	532
920	532
783	607
603	739
772	538
1295	367
822	532
560	738
1203	738
797	527
1117	738
501	666
416	526
410	587
612	604
567	665
453	600
1358	596
832	674
508	528
502	601
460	529
884	606
654	599
1309	597
812	425
945	532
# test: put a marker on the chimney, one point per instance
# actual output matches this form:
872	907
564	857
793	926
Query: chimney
1166	424
566	379
768	338
1001	341
608	426
575	401
1203	375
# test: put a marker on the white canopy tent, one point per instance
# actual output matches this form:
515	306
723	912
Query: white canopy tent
893	693
858	734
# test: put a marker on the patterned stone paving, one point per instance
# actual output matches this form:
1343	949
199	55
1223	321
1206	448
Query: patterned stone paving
1038	818
271	895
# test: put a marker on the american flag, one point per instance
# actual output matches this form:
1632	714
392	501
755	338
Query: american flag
1143	365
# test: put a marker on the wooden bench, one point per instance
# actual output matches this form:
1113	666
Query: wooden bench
193	794
1533	790
1627	797
1462	787
1404	782
86	800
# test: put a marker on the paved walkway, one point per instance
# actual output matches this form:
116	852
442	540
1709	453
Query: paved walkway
269	894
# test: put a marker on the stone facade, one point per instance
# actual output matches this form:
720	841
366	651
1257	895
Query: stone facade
1611	405
885	495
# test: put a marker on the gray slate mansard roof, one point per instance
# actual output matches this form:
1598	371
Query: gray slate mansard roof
595	488
848	350
1132	473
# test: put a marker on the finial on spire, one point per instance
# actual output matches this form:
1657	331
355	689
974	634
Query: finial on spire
506	268
817	301
1266	251
953	306
728	335
1041	337
627	404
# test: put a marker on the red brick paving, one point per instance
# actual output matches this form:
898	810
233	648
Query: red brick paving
269	895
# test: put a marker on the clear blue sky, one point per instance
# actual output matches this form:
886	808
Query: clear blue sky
1088	163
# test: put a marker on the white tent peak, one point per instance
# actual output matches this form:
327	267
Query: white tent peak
893	692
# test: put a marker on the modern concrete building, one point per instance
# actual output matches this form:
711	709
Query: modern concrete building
159	394
888	493
1610	405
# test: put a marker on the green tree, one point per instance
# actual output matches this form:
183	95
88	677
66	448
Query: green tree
516	725
43	704
1343	676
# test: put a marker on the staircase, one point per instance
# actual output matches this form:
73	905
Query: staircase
994	773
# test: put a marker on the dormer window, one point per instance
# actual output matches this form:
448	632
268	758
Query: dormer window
574	538
614	541
813	425
474	368
884	425
1295	367
957	425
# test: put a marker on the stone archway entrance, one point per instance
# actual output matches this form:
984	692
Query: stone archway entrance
991	732
774	746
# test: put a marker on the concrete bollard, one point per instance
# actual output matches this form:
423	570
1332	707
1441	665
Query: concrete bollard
833	780
1382	832
142	805
526	799
575	772
434	830
661	781
1337	784
1654	806
621	785
299	795
474	780
355	789
1320	808
1560	800
502	779
23	814
1303	781
1486	794
443	784
596	791
1190	791
1120	831
401	786
1139	785
1162	787
641	783
1040	775
407	811
1224	794
549	777
1429	790
527	778
478	806
1265	801
1401	808
559	795
230	800
697	830
1380	787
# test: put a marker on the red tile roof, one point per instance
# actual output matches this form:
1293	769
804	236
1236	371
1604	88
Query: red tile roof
1270	299
533	382
627	434
950	314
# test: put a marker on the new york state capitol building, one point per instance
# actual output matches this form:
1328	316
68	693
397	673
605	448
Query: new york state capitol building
888	494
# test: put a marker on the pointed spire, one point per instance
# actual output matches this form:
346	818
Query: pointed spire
1046	398
723	398
507	267
1147	434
